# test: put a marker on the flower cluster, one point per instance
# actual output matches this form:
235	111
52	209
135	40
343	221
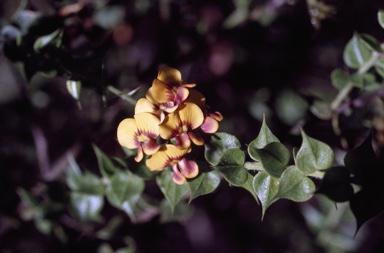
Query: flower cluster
167	123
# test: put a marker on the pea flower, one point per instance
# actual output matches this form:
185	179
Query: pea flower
139	133
170	155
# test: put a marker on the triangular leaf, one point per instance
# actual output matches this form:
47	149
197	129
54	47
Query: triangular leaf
232	166
313	155
217	145
274	157
124	191
266	188
172	191
265	137
294	185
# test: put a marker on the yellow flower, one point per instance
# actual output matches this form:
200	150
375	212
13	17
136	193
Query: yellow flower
141	133
170	155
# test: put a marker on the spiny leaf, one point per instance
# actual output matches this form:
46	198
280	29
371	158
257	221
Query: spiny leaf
266	188
217	145
265	137
313	155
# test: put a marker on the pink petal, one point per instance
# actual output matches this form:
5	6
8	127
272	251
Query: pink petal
183	141
140	154
178	178
210	125
216	115
188	168
150	147
181	94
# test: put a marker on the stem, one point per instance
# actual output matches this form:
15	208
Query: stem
122	95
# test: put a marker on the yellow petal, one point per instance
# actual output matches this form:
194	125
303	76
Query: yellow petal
170	126
195	139
183	141
191	116
157	161
169	76
175	154
126	132
160	93
144	105
148	124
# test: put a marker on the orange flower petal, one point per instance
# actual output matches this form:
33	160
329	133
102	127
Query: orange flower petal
178	178
191	116
160	92
169	76
175	154
157	161
170	126
189	85
216	115
126	132
210	125
188	168
148	124
195	139
144	105
183	141
140	154
150	147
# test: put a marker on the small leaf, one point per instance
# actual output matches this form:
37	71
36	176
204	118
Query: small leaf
124	191
290	107
274	157
87	206
313	155
179	213
217	145
266	188
336	184
232	167
380	17
321	109
74	88
265	137
106	166
339	78
172	191
358	50
295	186
52	38
205	183
379	67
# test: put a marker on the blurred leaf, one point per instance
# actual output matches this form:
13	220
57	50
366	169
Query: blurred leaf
124	191
232	166
265	137
172	191
205	183
290	107
217	145
180	212
87	206
295	186
313	155
380	17
106	166
336	184
274	157
266	188
339	78
239	15
109	230
74	88
321	109
379	67
50	39
359	49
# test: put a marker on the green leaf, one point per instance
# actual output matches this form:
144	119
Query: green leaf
124	191
266	188
265	137
232	166
313	155
274	157
52	38
321	109
339	78
380	17
290	107
87	206
379	67
74	88
172	191
336	184
106	166
217	145
178	213
205	183
359	50
295	186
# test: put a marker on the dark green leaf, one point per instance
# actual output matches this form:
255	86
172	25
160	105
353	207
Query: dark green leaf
248	185
53	38
266	188
179	213
172	191
313	155
232	166
274	157
205	183
87	206
336	184
379	67
217	145
339	78
380	17
265	137
124	190
359	50
290	107
106	166
294	185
